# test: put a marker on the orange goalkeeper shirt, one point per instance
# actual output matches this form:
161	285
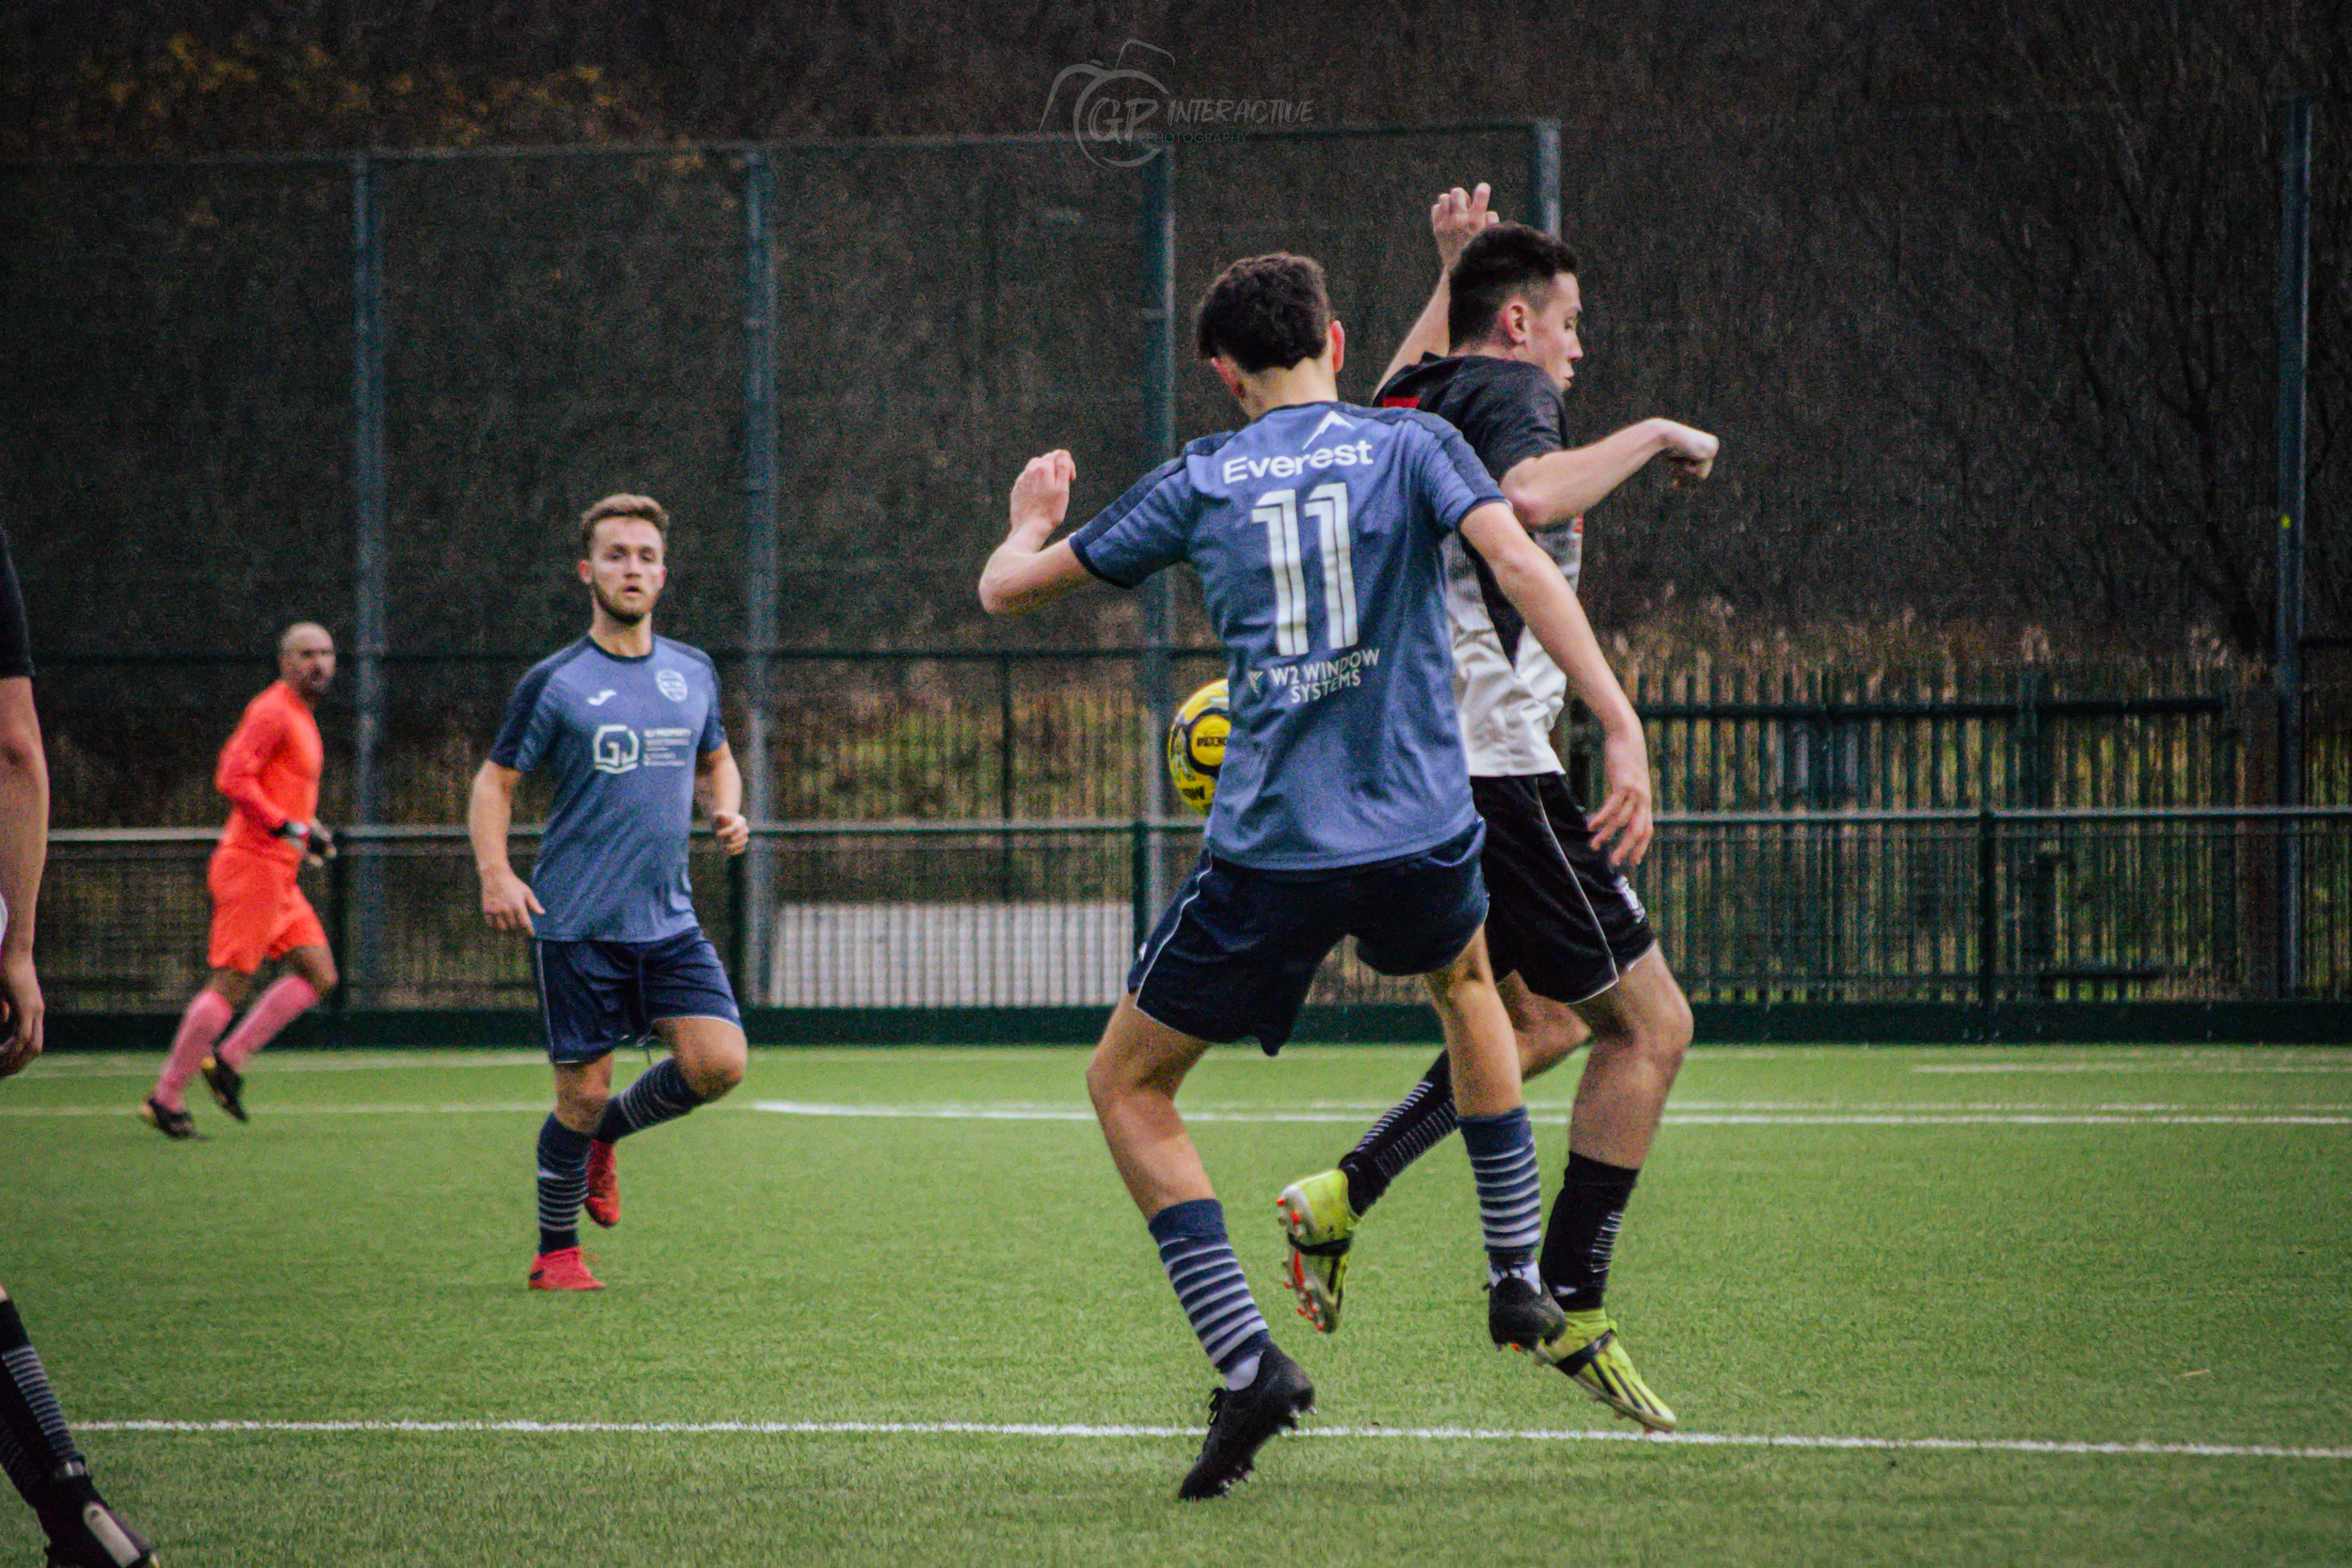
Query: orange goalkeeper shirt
270	772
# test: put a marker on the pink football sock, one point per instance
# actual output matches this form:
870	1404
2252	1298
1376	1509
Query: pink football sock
199	1026
278	1006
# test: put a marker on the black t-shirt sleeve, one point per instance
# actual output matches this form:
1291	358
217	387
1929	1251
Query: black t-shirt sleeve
16	638
1510	417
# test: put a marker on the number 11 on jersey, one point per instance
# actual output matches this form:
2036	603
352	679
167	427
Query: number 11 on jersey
1326	507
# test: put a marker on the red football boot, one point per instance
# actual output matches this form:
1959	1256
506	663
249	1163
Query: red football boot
604	1186
563	1270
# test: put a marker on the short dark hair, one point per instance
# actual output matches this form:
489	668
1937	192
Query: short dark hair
642	508
1506	262
1266	313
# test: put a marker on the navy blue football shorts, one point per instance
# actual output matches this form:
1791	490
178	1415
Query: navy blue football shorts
598	996
1237	949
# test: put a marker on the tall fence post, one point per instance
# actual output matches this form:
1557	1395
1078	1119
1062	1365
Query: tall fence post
339	917
1543	175
1159	444
1139	863
1004	777
365	915
1988	912
2294	289
739	948
756	887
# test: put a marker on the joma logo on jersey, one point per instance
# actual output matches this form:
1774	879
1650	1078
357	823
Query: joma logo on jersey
615	749
1353	454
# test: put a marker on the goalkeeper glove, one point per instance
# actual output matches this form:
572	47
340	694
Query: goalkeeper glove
315	839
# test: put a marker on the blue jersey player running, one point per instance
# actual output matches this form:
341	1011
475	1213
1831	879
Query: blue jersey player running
1343	805
626	726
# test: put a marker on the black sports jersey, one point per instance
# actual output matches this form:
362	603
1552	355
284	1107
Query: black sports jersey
1508	411
16	639
1506	690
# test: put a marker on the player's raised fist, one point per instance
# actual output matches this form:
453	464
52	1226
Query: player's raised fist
1692	451
1458	217
1041	493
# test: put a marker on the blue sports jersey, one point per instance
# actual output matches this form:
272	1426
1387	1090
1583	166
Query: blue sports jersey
1315	530
619	738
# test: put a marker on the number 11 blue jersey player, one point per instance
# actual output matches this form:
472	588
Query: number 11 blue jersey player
1342	806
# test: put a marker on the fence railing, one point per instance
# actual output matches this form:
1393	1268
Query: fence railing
1052	733
1948	906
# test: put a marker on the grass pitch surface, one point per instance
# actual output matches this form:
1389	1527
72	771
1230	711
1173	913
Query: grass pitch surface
905	1313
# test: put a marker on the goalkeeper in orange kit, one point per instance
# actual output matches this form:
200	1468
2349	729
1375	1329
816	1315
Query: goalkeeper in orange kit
269	770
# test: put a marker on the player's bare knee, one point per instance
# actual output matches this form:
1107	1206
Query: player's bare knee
581	1109
1107	1082
1447	985
713	1076
1659	1033
1669	1028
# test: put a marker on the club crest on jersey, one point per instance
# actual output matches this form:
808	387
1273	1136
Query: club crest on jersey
672	684
615	749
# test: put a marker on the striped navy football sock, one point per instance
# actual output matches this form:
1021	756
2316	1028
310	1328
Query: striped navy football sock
1209	1285
658	1095
1510	1192
562	1186
1414	1126
35	1447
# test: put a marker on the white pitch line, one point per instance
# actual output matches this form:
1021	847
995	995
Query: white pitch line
2173	1065
65	1066
1423	1434
1990	1116
1993	1120
539	1105
1673	1118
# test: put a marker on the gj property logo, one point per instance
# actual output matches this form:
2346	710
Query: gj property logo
1122	114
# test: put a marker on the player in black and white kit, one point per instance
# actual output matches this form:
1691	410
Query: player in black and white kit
37	1449
1572	945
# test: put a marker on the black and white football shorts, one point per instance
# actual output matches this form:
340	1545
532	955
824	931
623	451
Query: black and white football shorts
1560	916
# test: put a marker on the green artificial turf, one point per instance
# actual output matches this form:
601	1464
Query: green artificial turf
2134	1277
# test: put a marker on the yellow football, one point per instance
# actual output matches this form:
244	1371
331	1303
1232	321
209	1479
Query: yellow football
1196	745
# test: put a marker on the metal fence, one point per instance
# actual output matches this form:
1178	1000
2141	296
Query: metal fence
374	388
1052	733
1950	906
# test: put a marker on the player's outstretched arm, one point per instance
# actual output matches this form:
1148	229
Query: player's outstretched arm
1560	487
24	852
1532	581
507	901
1456	218
1026	573
719	787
